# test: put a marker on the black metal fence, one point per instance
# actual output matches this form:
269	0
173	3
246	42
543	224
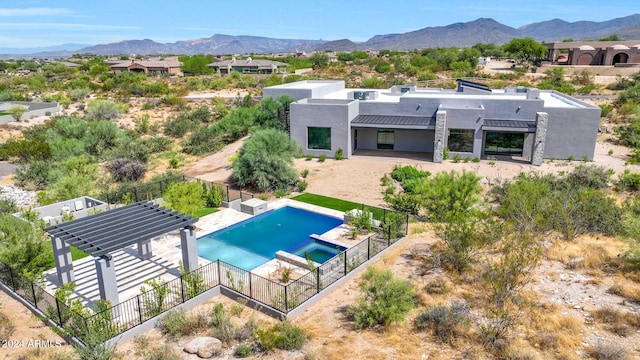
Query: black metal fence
157	298
154	190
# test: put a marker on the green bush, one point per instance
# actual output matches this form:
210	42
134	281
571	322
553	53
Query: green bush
283	336
308	157
301	186
406	173
304	173
172	323
104	110
628	181
184	197
322	158
385	300
243	350
339	155
223	329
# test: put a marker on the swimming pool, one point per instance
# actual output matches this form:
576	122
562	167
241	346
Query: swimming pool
253	242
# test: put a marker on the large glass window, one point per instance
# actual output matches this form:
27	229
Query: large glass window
461	140
386	139
319	138
497	143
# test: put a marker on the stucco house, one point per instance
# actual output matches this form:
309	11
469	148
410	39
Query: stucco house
248	66
149	67
609	53
471	121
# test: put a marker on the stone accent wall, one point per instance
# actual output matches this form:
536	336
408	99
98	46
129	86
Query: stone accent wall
440	138
540	139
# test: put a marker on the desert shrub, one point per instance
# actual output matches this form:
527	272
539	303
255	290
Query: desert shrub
243	350
604	350
284	336
385	300
301	186
157	144
223	329
322	158
339	154
405	174
605	109
177	322
449	194
79	93
6	327
628	181
8	206
304	173
101	136
179	126
164	352
213	195
630	133
443	321
33	176
126	170
591	176
265	161
104	110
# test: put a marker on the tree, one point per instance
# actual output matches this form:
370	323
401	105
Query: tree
265	161
448	195
17	112
319	60
185	197
525	50
196	64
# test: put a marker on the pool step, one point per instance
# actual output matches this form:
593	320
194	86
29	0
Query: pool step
294	259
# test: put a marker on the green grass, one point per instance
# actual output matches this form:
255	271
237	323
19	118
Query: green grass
204	211
77	253
335	204
4	113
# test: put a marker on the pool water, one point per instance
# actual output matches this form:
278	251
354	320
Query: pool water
253	242
319	251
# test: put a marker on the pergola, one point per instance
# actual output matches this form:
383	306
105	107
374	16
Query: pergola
102	234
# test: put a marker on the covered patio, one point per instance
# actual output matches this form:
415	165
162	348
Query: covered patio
121	236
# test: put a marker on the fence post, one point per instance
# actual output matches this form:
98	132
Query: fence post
219	274
369	248
59	314
33	291
139	308
389	236
181	287
318	280
13	284
286	299
250	287
228	198
345	262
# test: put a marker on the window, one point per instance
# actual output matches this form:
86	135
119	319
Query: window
385	139
319	138
461	140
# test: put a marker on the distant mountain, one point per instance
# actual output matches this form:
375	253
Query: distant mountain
217	44
339	45
557	30
63	47
482	30
458	34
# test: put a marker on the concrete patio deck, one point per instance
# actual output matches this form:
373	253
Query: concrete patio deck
131	272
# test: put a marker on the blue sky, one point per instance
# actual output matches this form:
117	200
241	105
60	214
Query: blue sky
37	23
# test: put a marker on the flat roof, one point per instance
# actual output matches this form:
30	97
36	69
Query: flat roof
306	84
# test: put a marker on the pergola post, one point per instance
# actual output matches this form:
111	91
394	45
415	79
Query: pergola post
144	249
64	262
106	271
189	248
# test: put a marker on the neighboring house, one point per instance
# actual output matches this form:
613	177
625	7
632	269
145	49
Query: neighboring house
471	121
616	53
248	66
34	109
149	67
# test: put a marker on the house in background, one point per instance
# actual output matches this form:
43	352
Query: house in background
149	67
472	121
248	66
609	53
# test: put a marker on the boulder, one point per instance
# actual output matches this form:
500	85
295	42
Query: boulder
205	347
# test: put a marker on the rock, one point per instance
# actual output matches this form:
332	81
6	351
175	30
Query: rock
575	263
22	198
205	347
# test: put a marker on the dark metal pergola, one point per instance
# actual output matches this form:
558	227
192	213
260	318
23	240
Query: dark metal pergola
116	229
102	234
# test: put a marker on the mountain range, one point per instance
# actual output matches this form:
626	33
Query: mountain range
483	30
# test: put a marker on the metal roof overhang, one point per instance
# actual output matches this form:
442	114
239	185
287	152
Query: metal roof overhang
509	125
116	229
394	121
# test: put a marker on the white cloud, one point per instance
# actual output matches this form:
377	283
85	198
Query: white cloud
63	26
36	11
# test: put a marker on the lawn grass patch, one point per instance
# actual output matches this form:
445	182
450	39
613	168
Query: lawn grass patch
204	211
335	204
77	253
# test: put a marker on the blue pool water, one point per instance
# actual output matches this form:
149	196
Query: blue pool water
253	242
